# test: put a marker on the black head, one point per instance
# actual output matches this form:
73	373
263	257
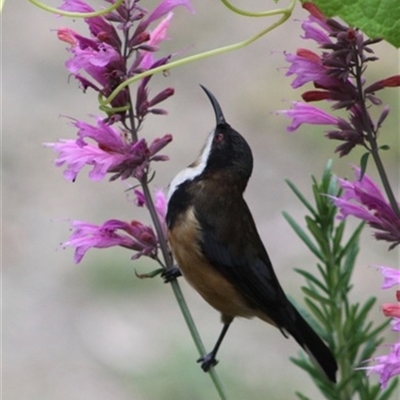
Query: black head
226	149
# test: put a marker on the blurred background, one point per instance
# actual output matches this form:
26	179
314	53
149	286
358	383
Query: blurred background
95	331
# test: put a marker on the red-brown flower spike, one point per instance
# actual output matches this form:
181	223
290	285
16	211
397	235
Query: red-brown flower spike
314	10
315	95
392	81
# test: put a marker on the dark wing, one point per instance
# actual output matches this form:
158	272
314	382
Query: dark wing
236	251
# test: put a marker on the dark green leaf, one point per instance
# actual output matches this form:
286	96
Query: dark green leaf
301	396
316	312
317	296
363	164
302	235
312	278
384	147
301	197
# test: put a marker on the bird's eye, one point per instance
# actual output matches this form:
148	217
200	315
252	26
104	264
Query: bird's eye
219	137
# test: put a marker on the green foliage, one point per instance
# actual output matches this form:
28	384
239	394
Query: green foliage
344	325
376	18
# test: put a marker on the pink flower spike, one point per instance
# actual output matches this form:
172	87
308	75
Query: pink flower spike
387	366
134	236
156	37
391	277
305	114
313	32
364	200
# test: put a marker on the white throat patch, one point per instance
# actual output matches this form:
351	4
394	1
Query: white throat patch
191	172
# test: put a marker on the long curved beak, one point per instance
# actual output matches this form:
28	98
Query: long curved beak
217	108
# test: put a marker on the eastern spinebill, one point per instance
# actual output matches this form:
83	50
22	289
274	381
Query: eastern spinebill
217	247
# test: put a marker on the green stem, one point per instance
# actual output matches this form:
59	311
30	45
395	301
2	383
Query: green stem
177	290
76	14
286	13
333	274
246	13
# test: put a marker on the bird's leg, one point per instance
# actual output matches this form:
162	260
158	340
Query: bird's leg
170	274
208	360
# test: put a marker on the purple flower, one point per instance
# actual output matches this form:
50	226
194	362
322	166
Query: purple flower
100	62
156	37
308	67
387	366
305	114
364	200
321	36
111	152
134	236
335	73
391	277
164	8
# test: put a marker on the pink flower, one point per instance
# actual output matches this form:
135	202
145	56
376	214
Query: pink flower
364	200
164	8
305	114
387	366
391	277
308	67
134	236
111	152
156	37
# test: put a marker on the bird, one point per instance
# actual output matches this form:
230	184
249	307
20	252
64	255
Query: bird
218	250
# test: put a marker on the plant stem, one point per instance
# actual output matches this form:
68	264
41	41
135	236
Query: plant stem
177	290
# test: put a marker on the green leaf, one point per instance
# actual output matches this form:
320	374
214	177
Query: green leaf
317	296
316	312
376	18
338	236
302	235
301	197
301	396
312	278
384	147
363	164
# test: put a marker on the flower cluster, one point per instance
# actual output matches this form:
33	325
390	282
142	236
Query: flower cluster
100	62
121	44
336	74
363	199
131	235
387	366
113	152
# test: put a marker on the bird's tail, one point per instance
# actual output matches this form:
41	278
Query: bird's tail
313	345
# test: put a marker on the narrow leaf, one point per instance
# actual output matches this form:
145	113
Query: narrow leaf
312	278
363	164
302	235
300	197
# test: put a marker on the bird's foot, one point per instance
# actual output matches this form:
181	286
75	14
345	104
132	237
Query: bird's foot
207	361
170	274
